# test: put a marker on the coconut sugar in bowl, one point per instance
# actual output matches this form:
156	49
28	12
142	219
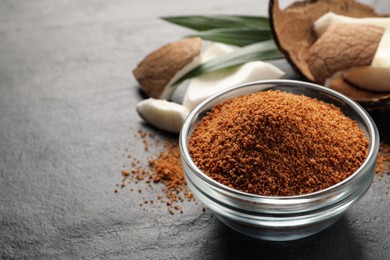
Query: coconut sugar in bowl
271	171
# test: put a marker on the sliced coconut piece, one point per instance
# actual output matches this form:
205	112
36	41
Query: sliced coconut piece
202	87
341	47
369	78
161	68
373	101
323	23
382	56
375	77
216	49
294	34
292	27
162	114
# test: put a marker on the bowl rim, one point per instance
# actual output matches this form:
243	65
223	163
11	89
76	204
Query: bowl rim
372	135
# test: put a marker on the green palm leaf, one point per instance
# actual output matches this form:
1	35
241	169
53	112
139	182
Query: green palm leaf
203	23
235	36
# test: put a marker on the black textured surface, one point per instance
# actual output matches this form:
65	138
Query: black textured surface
67	100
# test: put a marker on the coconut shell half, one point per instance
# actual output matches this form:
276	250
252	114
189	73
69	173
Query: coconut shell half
293	33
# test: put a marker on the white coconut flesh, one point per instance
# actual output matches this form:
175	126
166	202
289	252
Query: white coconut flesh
162	114
202	87
169	89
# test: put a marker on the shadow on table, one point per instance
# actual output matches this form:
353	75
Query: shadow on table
382	121
336	242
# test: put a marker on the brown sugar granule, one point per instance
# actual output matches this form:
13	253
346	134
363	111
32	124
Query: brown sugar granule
383	162
277	144
382	168
163	169
168	170
125	173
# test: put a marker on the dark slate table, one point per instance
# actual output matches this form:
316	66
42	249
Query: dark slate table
67	115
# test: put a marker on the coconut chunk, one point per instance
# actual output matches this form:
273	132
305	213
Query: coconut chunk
294	33
160	69
162	114
373	101
341	47
322	24
369	78
355	48
203	87
382	56
293	26
216	49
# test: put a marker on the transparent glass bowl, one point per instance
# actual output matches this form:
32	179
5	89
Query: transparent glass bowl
279	218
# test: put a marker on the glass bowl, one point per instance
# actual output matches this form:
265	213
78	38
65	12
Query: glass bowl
278	218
